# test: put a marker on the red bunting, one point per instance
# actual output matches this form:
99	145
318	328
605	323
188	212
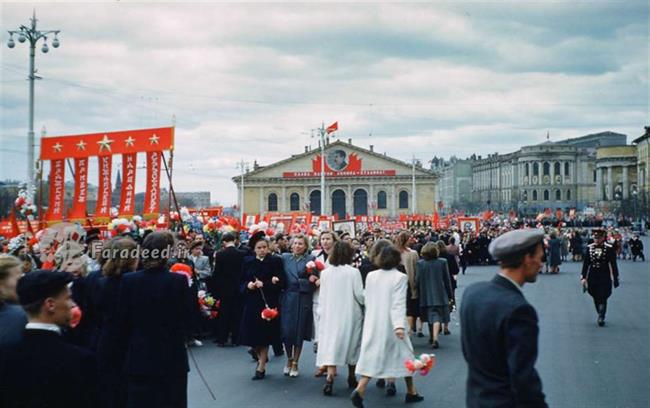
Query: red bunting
78	211
57	191
103	208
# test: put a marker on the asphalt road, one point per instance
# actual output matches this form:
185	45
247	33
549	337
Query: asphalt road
581	364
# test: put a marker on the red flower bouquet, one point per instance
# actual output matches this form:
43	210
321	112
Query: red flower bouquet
314	265
422	364
269	314
209	305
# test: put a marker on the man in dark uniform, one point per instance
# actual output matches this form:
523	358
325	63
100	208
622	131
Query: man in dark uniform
499	331
43	370
599	270
636	247
154	311
224	285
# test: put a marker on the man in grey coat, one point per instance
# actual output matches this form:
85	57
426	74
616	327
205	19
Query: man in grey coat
499	331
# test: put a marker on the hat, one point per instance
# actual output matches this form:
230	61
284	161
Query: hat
41	284
514	242
598	231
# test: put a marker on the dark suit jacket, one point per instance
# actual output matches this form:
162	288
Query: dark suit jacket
154	311
44	370
499	338
227	274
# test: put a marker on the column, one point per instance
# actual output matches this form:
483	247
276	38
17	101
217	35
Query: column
328	201
262	206
283	199
305	199
349	201
393	201
626	185
599	184
372	200
610	184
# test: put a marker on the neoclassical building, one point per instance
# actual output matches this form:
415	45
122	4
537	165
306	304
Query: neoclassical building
616	173
358	182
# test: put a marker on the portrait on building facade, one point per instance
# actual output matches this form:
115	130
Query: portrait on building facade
345	226
337	159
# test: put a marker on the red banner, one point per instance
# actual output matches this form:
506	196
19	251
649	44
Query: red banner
103	208
57	191
80	189
127	200
152	195
97	144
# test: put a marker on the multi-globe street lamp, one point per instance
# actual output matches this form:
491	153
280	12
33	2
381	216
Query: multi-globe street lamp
31	34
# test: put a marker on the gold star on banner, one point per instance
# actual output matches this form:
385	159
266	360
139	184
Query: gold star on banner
105	143
129	141
57	147
81	145
154	139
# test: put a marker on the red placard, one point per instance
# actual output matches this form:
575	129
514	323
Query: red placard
103	207
57	191
127	197
78	211
107	143
152	195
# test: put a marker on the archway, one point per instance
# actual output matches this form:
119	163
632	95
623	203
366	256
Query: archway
314	202
338	203
360	202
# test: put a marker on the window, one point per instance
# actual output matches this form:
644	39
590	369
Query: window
360	202
568	195
558	195
381	200
294	202
566	168
273	202
527	170
525	195
595	179
535	169
546	195
403	199
547	168
314	202
556	168
534	195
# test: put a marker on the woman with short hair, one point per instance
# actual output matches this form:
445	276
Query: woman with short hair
341	299
435	289
385	345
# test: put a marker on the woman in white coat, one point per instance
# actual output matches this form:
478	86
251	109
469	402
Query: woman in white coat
385	346
341	316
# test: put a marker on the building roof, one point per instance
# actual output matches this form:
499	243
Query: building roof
642	137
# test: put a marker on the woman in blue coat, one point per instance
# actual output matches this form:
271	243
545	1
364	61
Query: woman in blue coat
296	316
260	286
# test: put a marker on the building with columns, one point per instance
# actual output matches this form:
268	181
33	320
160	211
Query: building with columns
358	182
616	174
547	175
643	169
455	184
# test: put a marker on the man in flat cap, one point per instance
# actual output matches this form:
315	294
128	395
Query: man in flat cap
499	331
43	370
599	271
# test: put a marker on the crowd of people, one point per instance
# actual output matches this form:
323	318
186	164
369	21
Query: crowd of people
107	322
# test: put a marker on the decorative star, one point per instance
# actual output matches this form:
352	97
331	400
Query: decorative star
129	141
81	145
105	143
154	139
57	147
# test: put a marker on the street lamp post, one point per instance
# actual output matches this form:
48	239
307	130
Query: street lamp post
243	167
31	34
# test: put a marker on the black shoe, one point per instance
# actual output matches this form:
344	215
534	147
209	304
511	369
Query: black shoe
356	399
436	344
327	389
259	375
413	398
390	389
420	334
352	382
253	354
601	321
381	383
447	332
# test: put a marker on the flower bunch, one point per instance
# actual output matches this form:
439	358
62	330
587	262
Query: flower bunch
24	203
423	364
120	226
209	305
269	314
314	265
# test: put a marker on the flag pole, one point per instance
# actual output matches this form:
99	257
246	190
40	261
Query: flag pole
322	168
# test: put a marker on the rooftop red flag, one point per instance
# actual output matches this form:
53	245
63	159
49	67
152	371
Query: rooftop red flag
332	128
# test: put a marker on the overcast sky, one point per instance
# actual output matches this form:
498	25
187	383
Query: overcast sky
249	81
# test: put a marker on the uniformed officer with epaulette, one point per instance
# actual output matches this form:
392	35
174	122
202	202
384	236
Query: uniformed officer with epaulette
599	271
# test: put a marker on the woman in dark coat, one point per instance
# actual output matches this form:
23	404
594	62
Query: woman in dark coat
112	387
555	253
434	285
296	317
260	286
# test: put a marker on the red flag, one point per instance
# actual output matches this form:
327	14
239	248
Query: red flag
332	128
14	224
436	219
